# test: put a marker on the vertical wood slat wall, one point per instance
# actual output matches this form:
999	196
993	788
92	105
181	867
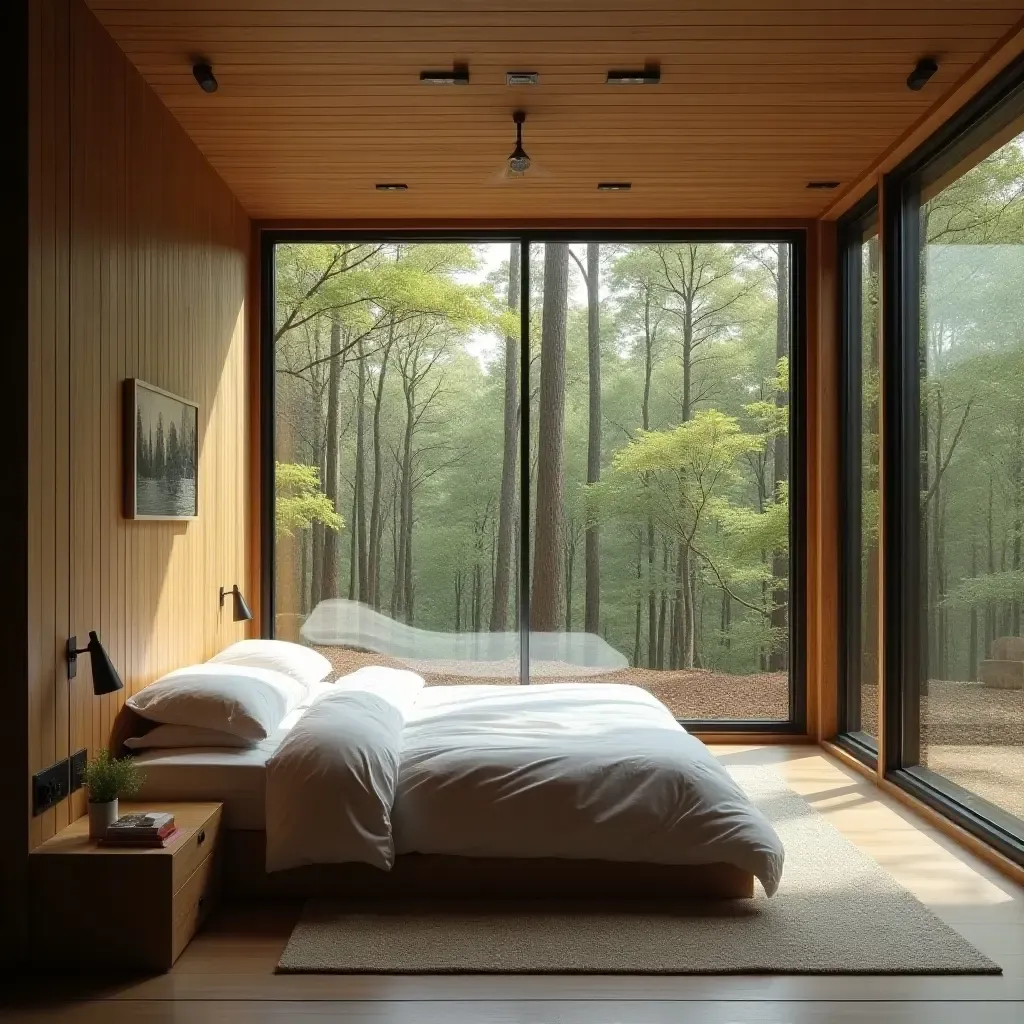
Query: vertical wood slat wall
138	268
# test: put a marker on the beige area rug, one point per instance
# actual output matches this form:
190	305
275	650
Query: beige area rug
836	912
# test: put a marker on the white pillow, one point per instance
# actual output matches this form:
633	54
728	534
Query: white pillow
245	702
301	663
173	736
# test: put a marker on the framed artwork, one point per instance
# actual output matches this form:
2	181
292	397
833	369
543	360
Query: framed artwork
161	464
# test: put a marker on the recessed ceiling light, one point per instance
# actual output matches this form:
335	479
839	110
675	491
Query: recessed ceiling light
648	75
521	77
203	74
823	185
459	75
395	186
923	71
614	186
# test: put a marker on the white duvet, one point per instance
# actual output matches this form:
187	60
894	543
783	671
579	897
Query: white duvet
572	770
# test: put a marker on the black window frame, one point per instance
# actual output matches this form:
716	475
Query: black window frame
905	655
796	725
851	231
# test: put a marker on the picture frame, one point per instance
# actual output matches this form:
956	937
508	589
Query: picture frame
161	454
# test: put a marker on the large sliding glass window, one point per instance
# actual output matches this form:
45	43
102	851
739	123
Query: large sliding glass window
538	460
860	506
957	456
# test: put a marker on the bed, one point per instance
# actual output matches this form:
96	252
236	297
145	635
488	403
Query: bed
568	789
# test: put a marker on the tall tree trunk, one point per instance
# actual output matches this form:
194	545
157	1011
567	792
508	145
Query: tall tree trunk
570	560
645	422
376	518
409	588
779	660
990	606
546	597
353	563
972	653
1018	516
592	555
404	526
662	604
360	476
303	572
458	600
509	459
639	602
329	584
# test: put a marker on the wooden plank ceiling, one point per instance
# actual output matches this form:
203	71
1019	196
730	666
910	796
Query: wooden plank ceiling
321	99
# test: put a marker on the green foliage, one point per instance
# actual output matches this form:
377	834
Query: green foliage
997	587
108	778
299	502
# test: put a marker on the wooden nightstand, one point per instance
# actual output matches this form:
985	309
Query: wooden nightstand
117	908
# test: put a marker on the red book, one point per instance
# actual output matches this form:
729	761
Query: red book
148	843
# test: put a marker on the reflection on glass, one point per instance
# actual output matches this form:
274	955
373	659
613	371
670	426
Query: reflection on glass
972	478
396	446
659	474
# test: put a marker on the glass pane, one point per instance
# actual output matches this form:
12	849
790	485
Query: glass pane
396	446
972	477
868	645
659	474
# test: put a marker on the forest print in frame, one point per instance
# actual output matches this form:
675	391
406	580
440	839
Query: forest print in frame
161	466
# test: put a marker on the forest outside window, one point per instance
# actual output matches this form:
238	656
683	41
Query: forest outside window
860	508
960	460
549	460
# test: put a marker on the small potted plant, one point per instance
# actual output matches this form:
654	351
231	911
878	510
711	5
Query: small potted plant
108	778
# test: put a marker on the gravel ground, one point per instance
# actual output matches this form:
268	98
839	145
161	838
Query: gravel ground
688	694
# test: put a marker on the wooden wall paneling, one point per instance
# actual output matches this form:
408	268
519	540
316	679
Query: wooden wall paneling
138	267
824	468
47	540
19	297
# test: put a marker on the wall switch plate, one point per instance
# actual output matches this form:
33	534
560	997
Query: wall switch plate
78	759
50	786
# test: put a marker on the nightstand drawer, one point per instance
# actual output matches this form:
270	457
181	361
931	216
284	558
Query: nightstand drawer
196	848
191	905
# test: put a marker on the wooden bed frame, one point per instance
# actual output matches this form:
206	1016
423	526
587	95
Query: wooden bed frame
429	875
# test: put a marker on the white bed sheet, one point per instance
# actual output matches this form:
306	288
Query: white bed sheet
236	778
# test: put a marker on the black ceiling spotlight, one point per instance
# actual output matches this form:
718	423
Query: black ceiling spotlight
650	74
614	186
203	74
392	186
459	75
923	71
823	185
518	161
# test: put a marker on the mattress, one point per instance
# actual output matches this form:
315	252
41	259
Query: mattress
235	777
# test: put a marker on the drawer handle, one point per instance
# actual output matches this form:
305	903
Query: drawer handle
201	837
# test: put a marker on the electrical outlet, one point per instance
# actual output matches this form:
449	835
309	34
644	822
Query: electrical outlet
50	786
78	759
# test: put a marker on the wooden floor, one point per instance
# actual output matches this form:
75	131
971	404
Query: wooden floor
226	975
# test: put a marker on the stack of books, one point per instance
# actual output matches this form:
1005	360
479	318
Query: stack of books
149	829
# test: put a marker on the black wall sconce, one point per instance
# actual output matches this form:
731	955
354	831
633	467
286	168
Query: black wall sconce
242	613
104	676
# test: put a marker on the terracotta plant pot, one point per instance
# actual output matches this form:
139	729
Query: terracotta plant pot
100	816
